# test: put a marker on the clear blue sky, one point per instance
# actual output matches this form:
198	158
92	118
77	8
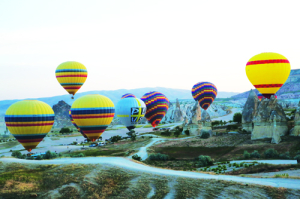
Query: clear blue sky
133	44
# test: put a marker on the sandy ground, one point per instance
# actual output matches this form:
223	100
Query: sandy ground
131	165
291	173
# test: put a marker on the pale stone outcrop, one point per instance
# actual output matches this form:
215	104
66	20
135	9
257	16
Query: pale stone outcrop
269	121
249	111
296	130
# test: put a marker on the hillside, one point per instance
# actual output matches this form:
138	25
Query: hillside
289	90
115	96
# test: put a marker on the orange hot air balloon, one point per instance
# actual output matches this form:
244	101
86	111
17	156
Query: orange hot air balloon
268	72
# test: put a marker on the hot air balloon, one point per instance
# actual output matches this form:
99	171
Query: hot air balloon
76	124
128	95
130	111
157	106
71	75
29	121
260	96
205	93
93	114
268	72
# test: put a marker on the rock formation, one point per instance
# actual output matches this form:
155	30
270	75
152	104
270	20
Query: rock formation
62	118
196	121
249	111
177	115
269	120
296	130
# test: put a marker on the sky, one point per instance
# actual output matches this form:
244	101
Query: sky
135	44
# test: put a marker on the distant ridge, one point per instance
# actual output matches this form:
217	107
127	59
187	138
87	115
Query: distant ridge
289	90
115	96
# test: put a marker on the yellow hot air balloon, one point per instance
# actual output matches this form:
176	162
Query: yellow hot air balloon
29	121
93	114
71	75
268	72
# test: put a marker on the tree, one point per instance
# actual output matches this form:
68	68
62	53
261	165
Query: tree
133	137
237	117
16	154
65	130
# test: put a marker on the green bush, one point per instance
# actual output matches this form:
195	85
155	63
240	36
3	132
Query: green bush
116	138
187	132
285	155
232	127
205	135
166	133
237	117
271	153
177	133
39	157
297	157
65	130
204	160
49	155
16	154
255	154
136	157
246	155
158	156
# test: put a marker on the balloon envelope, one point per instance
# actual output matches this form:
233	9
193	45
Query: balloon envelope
130	111
268	72
29	121
205	93
76	124
71	75
157	106
93	114
128	95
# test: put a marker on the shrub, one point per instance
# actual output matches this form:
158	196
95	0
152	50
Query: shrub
133	137
177	133
255	154
49	155
205	135
187	132
271	153
246	155
166	133
237	117
297	157
205	160
80	155
65	130
158	156
39	157
232	127
22	156
136	157
285	155
16	154
116	138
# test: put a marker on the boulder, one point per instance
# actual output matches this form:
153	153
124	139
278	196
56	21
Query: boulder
269	121
177	115
61	112
296	130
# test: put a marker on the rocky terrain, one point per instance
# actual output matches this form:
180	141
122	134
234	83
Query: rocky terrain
62	118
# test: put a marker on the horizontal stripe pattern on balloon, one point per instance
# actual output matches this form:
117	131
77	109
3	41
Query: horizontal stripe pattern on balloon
268	85
270	61
205	93
127	95
29	121
157	106
71	76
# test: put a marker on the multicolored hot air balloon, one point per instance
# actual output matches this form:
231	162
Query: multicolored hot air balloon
76	124
268	72
205	93
260	96
93	114
130	111
29	121
157	106
128	95
71	75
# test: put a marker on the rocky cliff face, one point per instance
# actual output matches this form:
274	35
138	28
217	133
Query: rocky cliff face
61	111
296	130
249	111
269	121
